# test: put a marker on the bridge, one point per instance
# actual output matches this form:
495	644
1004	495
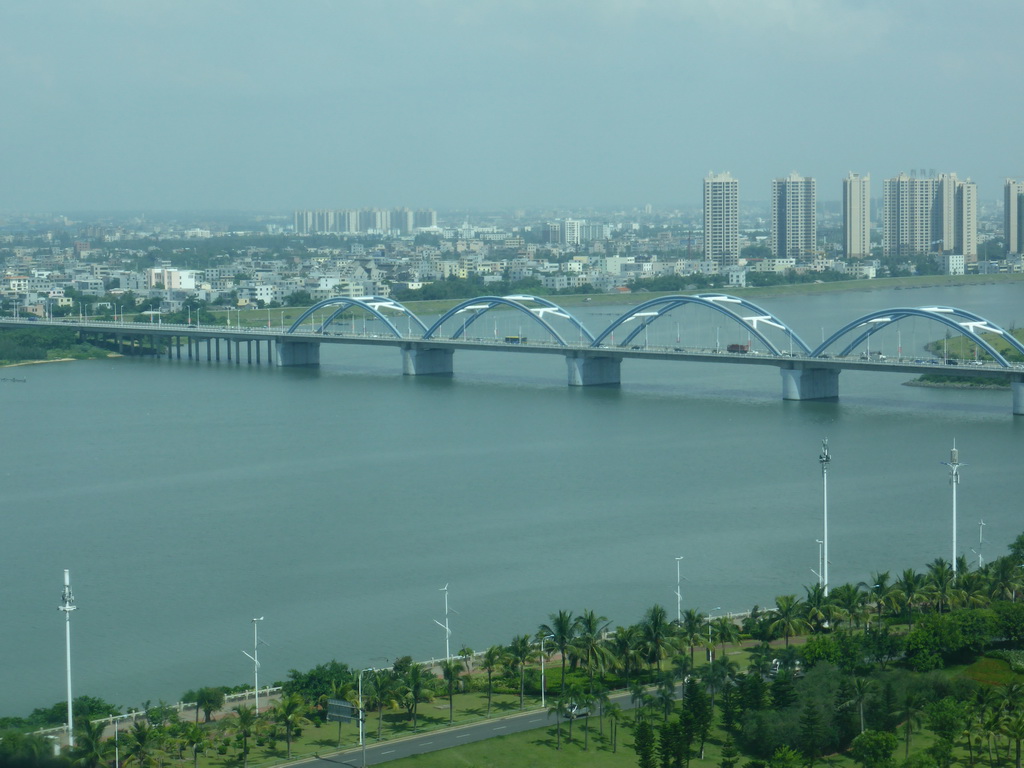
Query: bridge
592	359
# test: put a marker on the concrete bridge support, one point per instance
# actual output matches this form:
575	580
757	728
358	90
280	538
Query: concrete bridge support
801	383
1017	386
588	370
427	361
291	353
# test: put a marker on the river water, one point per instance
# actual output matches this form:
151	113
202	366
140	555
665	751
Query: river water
188	498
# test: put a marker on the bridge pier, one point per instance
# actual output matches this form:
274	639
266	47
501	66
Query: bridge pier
589	370
426	361
799	383
1017	386
292	353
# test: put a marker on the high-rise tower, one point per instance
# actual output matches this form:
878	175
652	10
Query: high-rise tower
1013	216
722	219
936	215
794	218
857	216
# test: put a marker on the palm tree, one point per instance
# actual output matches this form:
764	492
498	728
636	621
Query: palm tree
562	631
90	747
245	723
681	668
665	698
878	590
940	583
450	670
717	675
141	743
414	684
380	692
615	715
625	650
589	647
558	709
1013	729
760	659
1005	579
197	739
909	587
724	630
846	603
861	689
655	635
787	618
815	607
291	712
520	653
692	630
910	711
492	659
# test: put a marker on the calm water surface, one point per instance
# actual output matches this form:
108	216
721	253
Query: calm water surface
187	498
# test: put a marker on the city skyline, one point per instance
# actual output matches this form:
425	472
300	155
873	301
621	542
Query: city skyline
187	106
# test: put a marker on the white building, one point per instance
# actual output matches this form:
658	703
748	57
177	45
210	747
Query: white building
794	221
1013	216
935	215
722	219
857	216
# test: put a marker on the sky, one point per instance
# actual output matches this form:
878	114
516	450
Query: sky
271	106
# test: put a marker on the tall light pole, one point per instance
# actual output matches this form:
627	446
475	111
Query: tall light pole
543	686
711	648
954	480
820	570
679	594
68	605
447	631
255	656
824	459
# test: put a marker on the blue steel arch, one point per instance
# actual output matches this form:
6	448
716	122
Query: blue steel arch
483	304
876	321
713	301
371	304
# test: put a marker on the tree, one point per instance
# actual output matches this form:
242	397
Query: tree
290	712
196	739
492	659
1013	729
643	743
141	742
655	635
692	630
209	700
873	749
450	670
561	631
520	653
415	685
787	619
245	723
91	749
909	713
588	646
811	735
380	691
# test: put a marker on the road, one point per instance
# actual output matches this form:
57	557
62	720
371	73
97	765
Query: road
434	741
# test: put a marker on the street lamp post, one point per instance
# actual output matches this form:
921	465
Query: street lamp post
711	648
255	656
954	480
679	594
68	605
824	459
447	631
543	686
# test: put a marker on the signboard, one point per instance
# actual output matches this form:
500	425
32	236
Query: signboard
339	711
